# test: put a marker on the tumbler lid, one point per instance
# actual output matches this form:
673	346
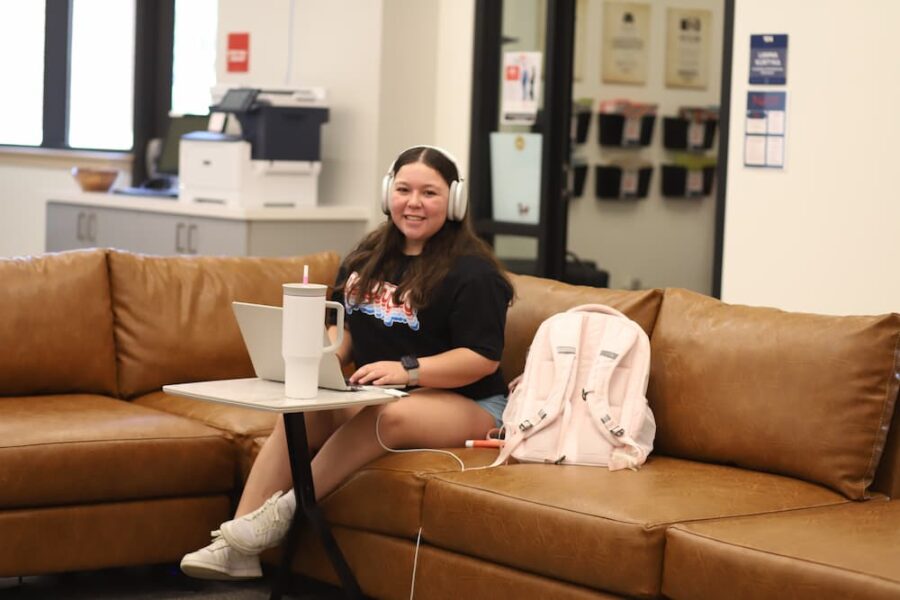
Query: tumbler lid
304	289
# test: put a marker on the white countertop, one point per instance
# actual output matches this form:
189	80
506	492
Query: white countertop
175	206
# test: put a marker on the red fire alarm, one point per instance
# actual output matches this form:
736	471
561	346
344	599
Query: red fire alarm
238	52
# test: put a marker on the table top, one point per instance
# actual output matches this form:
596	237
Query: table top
269	395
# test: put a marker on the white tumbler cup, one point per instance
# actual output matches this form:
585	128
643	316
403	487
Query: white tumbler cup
303	330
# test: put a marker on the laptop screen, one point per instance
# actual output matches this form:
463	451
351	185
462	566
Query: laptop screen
178	126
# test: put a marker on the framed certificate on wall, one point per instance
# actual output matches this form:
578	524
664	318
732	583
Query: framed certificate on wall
626	40
687	48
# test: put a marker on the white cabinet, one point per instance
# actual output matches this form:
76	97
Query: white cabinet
72	225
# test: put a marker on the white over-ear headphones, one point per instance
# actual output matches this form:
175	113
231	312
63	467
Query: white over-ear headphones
458	202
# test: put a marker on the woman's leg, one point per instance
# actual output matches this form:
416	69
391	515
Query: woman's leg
271	471
427	418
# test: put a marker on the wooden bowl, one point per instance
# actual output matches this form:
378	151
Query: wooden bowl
93	179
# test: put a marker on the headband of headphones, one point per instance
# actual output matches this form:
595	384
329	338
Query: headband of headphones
458	202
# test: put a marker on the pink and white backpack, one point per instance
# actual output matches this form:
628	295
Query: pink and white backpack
582	399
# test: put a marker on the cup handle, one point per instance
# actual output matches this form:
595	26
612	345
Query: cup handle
339	309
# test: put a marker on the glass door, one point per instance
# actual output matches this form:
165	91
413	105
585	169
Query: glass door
520	131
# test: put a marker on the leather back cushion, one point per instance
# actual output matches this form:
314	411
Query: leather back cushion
56	325
810	396
537	299
173	317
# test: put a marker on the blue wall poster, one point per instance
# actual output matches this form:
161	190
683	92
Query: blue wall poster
768	59
764	129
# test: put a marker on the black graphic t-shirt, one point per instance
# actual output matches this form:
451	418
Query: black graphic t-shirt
468	310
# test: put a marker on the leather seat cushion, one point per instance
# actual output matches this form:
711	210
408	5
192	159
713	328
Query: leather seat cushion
849	551
78	449
593	527
248	428
56	325
173	317
803	395
385	496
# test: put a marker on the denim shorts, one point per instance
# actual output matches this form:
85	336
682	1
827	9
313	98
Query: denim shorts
495	406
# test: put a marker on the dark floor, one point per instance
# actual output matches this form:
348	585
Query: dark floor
147	583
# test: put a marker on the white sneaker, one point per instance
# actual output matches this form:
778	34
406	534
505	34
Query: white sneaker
220	561
264	528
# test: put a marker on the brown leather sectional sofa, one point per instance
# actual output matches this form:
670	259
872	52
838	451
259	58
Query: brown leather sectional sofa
777	452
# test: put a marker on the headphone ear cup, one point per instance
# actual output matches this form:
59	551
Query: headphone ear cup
458	201
386	193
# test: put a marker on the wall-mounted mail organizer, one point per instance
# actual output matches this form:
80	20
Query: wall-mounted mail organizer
581	123
579	176
581	119
688	134
614	182
685	182
625	124
625	132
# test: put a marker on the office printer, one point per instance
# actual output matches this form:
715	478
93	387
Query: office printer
269	158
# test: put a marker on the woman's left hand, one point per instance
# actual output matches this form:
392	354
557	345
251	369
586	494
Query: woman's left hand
383	372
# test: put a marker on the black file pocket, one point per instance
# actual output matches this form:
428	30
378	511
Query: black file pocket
613	182
625	132
579	175
688	134
681	182
581	122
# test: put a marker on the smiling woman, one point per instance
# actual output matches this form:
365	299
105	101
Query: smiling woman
418	205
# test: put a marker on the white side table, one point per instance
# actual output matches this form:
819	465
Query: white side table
269	395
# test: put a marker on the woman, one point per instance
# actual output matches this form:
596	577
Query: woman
425	304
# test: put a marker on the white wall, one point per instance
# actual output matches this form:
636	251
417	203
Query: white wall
821	235
28	179
655	241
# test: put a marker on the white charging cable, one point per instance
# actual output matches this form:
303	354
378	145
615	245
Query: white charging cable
412	584
462	466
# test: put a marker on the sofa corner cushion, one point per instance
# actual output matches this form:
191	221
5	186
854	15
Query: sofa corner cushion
173	315
57	324
536	299
847	551
804	395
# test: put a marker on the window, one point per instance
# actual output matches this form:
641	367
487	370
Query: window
101	88
194	56
72	82
21	103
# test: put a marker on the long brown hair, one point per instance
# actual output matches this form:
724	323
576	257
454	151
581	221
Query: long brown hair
379	255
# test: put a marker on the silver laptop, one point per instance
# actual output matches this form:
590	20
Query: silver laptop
261	328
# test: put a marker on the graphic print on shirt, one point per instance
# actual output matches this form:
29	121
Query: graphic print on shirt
382	306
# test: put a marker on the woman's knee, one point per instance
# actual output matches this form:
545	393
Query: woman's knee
395	425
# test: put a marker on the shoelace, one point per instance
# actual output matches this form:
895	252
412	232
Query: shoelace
270	523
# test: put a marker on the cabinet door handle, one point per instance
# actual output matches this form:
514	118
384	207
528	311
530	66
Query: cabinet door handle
79	227
92	228
179	231
192	249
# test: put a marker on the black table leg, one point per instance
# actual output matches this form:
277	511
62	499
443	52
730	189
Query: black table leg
298	451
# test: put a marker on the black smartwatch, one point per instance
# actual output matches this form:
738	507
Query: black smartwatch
411	364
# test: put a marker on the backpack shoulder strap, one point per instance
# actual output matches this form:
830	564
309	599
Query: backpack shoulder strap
620	337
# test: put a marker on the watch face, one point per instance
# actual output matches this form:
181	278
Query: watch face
409	362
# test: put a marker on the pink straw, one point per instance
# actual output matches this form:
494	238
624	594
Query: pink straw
305	273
